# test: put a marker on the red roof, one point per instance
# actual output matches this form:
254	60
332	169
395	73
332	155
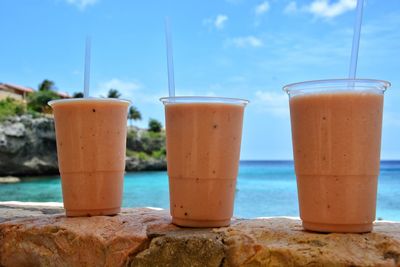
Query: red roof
63	94
23	89
17	87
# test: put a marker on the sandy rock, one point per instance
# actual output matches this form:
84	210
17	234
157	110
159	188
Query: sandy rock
145	237
11	210
283	242
55	240
9	180
182	247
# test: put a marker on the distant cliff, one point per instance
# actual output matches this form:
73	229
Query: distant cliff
28	147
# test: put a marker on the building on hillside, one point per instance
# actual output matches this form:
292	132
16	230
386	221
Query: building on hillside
20	92
14	91
63	95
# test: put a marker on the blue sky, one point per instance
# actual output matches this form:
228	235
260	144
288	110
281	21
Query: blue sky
234	48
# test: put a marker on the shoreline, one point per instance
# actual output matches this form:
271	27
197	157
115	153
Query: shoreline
159	166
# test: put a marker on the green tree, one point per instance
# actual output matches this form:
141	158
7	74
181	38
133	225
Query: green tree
134	114
155	126
113	93
37	101
77	95
10	107
46	85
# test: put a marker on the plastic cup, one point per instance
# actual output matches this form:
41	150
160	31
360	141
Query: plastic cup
336	134
91	143
203	150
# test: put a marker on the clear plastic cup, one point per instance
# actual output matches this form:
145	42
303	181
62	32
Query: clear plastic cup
91	146
336	134
203	150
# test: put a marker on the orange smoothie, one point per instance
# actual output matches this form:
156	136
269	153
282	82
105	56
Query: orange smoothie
336	144
91	143
203	149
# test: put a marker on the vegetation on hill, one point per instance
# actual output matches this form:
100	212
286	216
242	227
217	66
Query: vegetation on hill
37	101
141	144
10	107
134	114
77	95
146	144
113	93
155	126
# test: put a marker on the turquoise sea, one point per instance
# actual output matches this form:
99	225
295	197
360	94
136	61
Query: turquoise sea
265	188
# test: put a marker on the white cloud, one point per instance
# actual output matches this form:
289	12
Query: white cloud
322	8
218	22
126	88
272	102
262	8
246	41
82	4
329	53
290	8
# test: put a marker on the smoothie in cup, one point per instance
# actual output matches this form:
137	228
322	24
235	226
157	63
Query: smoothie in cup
336	134
203	149
91	143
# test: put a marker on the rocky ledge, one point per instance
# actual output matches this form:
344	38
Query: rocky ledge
43	236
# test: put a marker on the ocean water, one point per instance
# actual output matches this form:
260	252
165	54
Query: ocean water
264	188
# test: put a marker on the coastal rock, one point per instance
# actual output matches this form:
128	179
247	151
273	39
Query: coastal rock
17	129
28	147
136	164
145	237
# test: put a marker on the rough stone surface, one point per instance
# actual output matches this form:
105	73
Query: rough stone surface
181	247
54	240
42	236
28	147
282	242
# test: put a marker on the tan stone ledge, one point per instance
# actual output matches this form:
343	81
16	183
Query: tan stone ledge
33	235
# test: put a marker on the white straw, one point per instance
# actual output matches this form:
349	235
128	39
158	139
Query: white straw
87	68
356	40
170	61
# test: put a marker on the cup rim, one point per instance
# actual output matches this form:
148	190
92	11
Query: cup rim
87	99
203	99
308	85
